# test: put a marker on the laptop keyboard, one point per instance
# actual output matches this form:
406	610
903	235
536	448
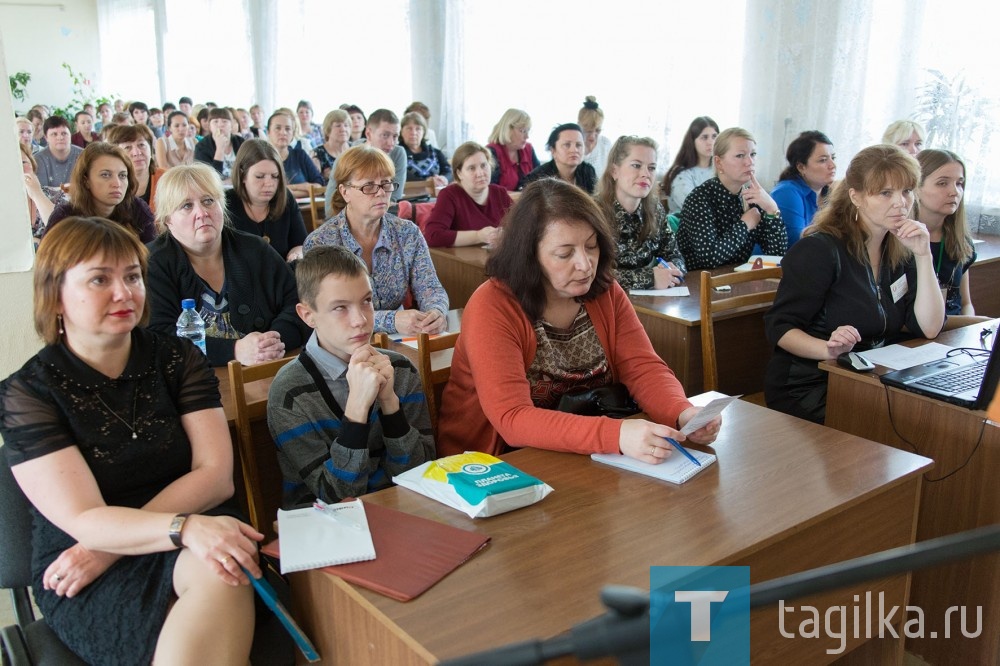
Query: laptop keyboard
962	379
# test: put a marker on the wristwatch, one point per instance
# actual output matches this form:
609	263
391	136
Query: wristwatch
176	525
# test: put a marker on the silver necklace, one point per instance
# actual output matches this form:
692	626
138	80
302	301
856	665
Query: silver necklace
135	398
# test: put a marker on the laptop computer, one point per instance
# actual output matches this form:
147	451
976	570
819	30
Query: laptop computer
967	380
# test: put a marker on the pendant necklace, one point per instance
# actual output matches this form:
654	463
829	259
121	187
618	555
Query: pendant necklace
135	397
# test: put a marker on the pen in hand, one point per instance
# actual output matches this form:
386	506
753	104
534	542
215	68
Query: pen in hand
684	452
666	264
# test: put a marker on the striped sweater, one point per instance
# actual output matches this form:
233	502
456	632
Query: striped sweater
323	455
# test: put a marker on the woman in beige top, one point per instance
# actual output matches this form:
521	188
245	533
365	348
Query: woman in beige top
177	147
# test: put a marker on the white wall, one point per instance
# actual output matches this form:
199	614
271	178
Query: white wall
39	36
18	340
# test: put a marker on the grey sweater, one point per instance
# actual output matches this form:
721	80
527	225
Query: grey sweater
326	456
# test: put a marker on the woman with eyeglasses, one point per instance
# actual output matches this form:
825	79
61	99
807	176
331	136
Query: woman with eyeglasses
394	249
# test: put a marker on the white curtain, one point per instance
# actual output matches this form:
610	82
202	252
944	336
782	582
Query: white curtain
129	66
836	67
653	67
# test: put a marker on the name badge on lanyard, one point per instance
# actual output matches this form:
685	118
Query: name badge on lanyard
899	288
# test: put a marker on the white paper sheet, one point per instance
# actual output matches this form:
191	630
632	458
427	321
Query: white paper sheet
897	357
673	291
707	413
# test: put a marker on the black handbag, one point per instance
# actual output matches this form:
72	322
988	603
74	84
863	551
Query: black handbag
612	400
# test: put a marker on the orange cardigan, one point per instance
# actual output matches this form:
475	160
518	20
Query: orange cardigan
487	401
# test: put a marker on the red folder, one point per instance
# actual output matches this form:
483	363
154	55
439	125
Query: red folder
411	553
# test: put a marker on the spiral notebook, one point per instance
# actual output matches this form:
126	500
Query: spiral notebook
675	469
312	538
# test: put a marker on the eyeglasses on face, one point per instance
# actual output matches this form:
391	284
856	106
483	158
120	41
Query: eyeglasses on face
373	188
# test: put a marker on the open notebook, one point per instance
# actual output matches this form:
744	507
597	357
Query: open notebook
312	538
675	469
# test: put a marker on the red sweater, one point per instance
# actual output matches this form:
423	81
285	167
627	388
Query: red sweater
487	401
455	211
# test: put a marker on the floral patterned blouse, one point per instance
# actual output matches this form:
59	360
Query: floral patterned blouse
637	258
401	265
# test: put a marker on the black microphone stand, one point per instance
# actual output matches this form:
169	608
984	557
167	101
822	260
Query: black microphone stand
623	632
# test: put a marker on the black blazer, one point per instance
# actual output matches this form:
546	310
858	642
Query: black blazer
204	150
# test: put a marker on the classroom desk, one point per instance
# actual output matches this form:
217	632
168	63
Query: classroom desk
786	495
984	276
960	443
673	324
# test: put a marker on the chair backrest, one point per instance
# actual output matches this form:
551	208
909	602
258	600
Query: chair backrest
317	202
258	457
416	188
761	294
15	526
434	378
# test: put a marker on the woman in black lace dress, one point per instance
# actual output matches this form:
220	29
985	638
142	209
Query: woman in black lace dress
117	437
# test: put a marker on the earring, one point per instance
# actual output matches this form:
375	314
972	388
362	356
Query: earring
59	320
856	211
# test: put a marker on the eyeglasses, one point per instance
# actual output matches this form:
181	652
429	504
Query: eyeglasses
373	188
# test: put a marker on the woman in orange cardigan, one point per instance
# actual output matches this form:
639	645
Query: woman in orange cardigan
551	319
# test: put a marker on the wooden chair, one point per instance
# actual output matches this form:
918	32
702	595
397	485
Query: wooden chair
434	379
710	307
317	206
258	457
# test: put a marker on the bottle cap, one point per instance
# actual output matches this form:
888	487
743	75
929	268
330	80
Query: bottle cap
187	304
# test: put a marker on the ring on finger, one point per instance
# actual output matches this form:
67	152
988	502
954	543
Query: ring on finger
57	577
224	560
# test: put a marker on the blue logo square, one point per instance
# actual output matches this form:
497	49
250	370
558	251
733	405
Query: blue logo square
699	616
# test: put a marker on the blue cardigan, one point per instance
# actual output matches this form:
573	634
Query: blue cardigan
798	204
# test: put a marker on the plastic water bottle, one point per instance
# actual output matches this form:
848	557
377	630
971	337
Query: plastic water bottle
190	325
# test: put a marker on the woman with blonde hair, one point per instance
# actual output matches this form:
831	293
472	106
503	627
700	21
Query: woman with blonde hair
726	216
940	205
906	134
861	273
648	257
513	155
41	200
103	184
393	249
242	288
337	139
596	145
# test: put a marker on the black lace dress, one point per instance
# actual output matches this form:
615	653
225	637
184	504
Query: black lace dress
54	402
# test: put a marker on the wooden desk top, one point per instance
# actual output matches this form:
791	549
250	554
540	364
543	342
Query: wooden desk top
543	570
683	310
989	250
967	336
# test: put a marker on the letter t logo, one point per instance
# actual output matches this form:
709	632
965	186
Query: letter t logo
701	610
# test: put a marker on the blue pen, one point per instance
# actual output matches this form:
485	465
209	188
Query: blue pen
270	598
687	454
666	264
